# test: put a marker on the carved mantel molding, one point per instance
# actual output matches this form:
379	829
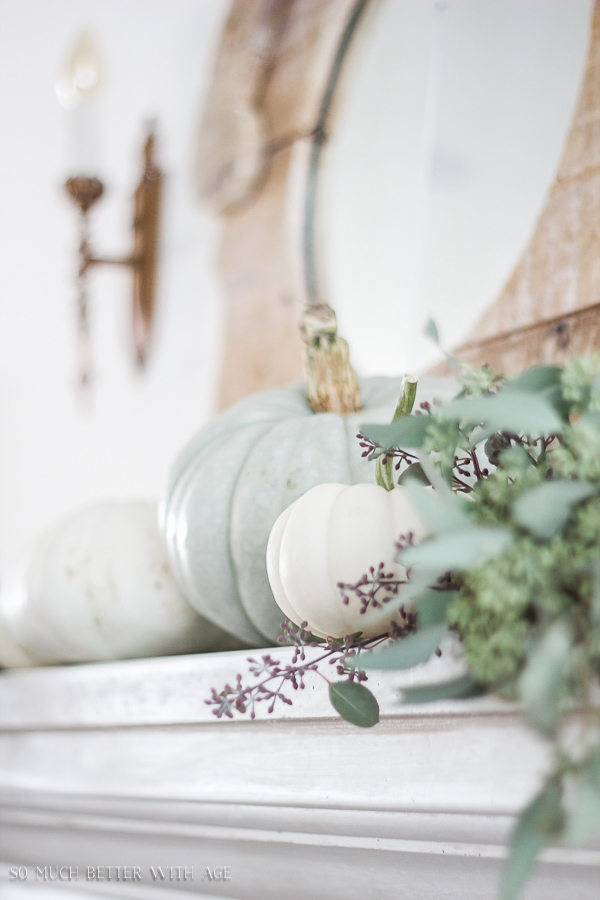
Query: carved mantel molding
122	764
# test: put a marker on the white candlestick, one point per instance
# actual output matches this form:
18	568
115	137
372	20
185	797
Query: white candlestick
83	137
77	92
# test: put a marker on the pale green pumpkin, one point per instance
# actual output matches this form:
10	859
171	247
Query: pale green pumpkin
237	475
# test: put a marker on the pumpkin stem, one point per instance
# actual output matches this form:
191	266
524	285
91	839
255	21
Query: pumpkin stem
384	471
332	385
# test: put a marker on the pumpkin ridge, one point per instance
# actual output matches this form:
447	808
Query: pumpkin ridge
230	553
307	581
335	593
244	628
249	548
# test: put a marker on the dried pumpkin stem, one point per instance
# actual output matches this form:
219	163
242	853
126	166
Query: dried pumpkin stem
384	471
332	385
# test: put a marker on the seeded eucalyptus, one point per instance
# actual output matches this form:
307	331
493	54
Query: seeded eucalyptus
520	566
511	565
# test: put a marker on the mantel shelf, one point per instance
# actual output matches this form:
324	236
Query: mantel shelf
123	764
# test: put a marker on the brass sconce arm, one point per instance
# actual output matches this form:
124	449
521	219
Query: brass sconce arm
86	191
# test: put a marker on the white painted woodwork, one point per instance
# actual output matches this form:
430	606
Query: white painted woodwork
124	764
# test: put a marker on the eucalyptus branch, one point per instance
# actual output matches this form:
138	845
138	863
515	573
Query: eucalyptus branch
243	698
520	582
367	588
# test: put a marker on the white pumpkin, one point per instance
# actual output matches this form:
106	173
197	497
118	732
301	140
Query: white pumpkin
98	586
239	473
335	534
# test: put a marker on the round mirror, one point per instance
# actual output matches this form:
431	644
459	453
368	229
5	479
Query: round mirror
446	141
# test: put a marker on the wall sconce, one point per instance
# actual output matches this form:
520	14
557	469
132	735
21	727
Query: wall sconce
76	89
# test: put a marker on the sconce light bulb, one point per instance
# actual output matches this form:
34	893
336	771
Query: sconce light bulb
80	75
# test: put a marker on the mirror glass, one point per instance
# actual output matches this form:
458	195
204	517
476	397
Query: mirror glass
448	135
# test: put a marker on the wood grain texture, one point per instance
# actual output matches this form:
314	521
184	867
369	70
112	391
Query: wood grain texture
261	287
273	66
303	63
232	157
549	309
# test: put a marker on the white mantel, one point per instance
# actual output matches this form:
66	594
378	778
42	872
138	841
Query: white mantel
123	764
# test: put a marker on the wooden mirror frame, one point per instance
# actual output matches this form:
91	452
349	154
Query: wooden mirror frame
265	123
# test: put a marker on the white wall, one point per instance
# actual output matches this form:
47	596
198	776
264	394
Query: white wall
54	456
428	203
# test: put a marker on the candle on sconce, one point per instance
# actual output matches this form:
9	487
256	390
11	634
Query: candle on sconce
77	92
77	89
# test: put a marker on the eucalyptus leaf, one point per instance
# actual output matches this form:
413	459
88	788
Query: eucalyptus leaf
457	689
554	396
592	419
595	391
584	817
460	549
596	593
517	412
545	382
431	331
406	432
354	702
407	652
518	456
537	378
441	512
414	473
541	683
436	479
501	451
480	434
432	606
545	509
537	825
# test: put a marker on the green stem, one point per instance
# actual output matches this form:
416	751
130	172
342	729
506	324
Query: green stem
384	472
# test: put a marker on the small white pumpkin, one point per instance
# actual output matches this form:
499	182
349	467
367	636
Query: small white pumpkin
334	534
98	586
